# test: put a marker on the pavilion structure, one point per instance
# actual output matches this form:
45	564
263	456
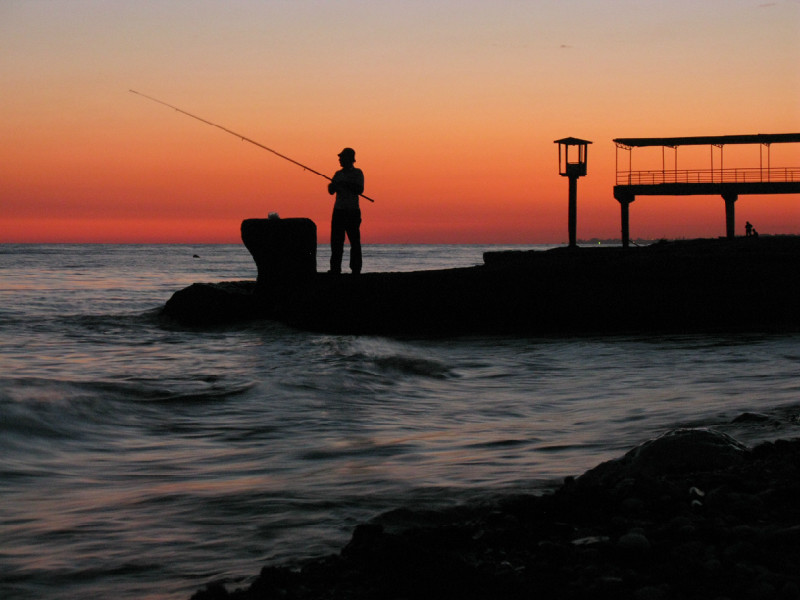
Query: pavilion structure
717	180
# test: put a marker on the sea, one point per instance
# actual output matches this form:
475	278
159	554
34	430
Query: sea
143	459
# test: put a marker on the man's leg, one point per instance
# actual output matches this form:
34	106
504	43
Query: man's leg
354	235
337	241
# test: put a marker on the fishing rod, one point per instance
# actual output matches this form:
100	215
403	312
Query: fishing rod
241	137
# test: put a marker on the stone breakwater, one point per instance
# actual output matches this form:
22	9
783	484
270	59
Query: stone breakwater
692	514
745	284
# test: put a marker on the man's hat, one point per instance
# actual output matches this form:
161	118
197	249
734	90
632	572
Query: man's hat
348	153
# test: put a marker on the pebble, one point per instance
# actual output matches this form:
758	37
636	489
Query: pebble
634	541
650	593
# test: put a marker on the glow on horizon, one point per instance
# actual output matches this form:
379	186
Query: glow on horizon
452	108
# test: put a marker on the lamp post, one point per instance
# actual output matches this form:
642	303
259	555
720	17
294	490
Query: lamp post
573	167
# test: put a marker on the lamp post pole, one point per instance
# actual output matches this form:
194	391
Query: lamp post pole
572	169
572	217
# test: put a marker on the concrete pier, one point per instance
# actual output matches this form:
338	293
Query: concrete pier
670	287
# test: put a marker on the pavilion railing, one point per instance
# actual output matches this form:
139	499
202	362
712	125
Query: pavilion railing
739	175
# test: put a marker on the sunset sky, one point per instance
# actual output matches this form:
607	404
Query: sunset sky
452	107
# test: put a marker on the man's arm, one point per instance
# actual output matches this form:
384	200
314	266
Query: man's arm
352	181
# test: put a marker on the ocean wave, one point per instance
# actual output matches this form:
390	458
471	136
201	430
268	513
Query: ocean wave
755	427
195	388
105	322
32	409
413	365
48	408
123	327
213	393
388	356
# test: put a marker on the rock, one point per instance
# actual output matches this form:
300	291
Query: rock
285	250
558	545
214	303
789	591
761	590
650	593
750	417
213	591
680	451
634	541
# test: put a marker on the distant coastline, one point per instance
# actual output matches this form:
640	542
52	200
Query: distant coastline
648	241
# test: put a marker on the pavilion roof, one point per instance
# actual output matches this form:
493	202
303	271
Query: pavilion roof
704	140
572	141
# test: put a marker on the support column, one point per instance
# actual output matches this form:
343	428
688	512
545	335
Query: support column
625	200
730	214
573	211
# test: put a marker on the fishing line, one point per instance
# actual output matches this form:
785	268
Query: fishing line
241	137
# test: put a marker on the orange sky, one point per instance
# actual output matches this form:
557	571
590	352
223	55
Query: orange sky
452	107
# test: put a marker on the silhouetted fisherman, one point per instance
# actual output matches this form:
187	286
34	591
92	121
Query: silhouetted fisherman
748	229
348	185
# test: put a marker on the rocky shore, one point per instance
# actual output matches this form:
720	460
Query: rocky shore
744	284
692	514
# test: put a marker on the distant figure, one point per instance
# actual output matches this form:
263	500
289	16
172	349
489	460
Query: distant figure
348	185
748	229
755	233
